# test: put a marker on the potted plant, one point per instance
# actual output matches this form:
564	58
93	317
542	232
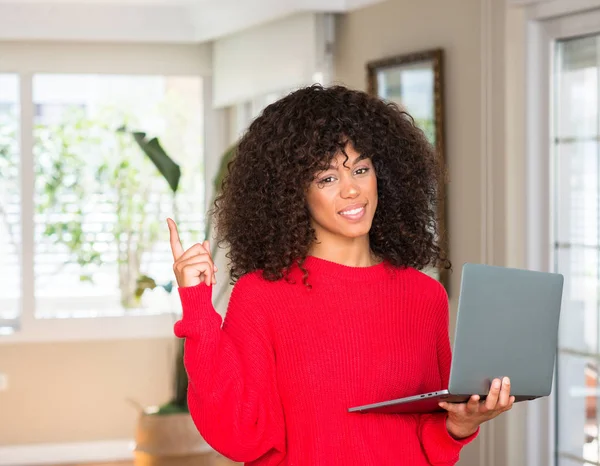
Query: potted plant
166	435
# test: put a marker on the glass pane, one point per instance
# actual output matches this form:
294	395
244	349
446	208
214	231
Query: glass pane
10	204
578	393
577	237
100	202
578	330
577	92
577	193
412	87
576	215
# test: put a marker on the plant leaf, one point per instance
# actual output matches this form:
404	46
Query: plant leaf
224	166
165	164
217	182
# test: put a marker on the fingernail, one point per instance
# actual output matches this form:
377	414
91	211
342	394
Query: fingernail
506	381
496	383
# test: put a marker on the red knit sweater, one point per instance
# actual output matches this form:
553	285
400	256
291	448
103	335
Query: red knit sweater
272	385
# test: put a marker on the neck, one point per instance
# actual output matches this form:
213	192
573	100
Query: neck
355	252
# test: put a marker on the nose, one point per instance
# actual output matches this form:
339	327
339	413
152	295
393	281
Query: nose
349	189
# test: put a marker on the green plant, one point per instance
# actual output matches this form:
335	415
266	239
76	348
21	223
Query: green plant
96	194
85	170
171	172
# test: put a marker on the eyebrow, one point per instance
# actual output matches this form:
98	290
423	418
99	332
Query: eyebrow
356	160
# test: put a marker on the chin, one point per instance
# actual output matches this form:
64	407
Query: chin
357	232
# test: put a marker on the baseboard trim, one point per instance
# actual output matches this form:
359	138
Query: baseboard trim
64	453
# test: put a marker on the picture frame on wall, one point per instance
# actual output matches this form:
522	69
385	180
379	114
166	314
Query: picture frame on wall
415	82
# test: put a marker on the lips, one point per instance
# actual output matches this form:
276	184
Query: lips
353	212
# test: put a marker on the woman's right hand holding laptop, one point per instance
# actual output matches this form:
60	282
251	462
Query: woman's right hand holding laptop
465	418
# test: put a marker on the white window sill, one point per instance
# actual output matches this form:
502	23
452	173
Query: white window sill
83	452
97	328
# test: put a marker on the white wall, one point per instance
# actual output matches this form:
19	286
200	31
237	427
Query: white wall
274	57
77	57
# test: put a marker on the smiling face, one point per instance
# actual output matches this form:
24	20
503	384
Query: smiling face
342	200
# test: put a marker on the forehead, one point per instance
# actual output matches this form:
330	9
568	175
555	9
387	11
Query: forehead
348	158
345	154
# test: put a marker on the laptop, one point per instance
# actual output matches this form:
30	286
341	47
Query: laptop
507	325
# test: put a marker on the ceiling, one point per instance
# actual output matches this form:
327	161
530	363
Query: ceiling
166	21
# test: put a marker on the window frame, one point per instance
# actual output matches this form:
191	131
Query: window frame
27	59
546	24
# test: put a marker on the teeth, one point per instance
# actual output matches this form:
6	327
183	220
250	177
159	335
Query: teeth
352	212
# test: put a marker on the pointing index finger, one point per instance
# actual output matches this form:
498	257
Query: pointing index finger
176	247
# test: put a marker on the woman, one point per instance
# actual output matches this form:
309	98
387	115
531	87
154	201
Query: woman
328	211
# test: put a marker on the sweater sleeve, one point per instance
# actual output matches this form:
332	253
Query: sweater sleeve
439	446
232	391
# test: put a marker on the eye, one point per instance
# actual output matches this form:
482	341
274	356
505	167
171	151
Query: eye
362	171
326	180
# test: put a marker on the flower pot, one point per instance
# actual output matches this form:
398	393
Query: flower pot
170	440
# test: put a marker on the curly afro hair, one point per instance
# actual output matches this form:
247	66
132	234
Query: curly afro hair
261	211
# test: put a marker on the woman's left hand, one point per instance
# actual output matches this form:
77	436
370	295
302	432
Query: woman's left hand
465	418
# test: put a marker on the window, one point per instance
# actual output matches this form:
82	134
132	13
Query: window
576	138
99	203
10	236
